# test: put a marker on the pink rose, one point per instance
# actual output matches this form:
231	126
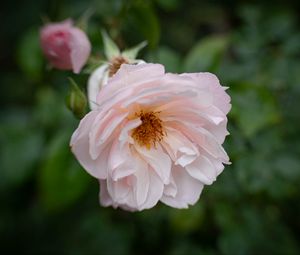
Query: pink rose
66	47
155	136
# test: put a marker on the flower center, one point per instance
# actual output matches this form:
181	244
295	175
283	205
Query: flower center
150	131
115	65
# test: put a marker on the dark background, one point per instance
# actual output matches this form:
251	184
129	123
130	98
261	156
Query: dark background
49	204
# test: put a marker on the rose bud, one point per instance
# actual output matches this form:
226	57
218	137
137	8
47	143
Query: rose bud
76	100
65	46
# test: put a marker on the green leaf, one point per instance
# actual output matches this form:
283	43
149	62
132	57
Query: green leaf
133	52
111	50
144	18
29	55
47	98
82	22
62	180
205	55
166	56
21	148
168	5
187	220
253	110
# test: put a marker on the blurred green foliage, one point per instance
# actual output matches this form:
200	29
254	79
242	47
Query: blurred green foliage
50	205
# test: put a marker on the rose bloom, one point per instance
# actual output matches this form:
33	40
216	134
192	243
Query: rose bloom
66	47
155	136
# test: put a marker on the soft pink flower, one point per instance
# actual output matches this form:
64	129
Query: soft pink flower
66	47
154	136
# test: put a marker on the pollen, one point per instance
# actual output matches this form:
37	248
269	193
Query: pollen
151	131
115	65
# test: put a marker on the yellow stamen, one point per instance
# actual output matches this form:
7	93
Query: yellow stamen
150	131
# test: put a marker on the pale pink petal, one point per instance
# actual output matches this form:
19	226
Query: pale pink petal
158	160
110	127
217	163
121	82
141	185
126	129
182	150
102	130
219	131
221	98
188	111
171	188
155	192
96	81
204	98
128	74
205	140
120	162
203	170
80	147
119	190
188	189
80	49
104	197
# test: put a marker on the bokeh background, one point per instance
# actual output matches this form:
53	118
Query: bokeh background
49	205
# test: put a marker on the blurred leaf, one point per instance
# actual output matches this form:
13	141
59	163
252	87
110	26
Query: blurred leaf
206	54
49	110
279	26
254	173
291	45
253	110
187	220
29	55
83	21
252	229
186	246
167	57
168	5
95	230
288	165
144	18
62	180
108	9
21	148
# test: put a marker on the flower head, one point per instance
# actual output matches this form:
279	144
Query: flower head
155	136
65	46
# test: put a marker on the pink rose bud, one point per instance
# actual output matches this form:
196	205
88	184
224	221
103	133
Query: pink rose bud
66	47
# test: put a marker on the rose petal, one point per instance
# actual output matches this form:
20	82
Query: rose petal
80	147
182	148
188	189
158	160
104	197
155	191
203	170
96	81
80	49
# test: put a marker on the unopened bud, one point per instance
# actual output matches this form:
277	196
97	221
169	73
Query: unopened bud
76	100
65	46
